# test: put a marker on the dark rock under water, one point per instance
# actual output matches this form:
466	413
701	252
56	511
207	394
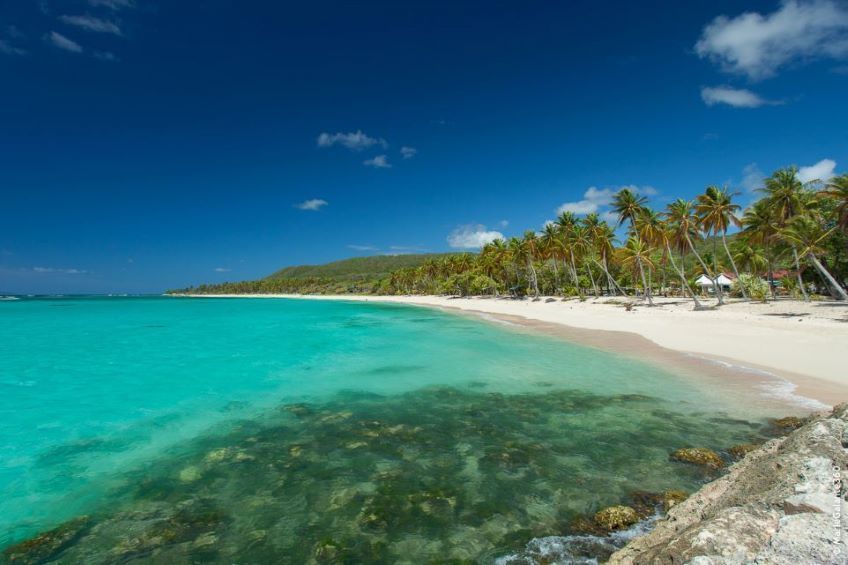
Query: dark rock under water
436	474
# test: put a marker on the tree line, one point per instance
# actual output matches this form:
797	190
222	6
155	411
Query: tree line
797	228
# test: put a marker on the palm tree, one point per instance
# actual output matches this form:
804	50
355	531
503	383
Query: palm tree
603	239
635	252
648	226
667	236
565	224
837	188
581	246
550	245
628	205
718	212
809	234
681	216
787	197
524	251
760	229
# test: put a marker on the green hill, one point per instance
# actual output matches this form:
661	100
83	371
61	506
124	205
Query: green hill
373	267
355	275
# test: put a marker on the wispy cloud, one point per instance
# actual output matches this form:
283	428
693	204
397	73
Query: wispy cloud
222	270
112	4
362	247
355	141
822	171
378	162
472	236
58	270
62	42
757	45
313	205
736	97
7	48
106	56
90	23
408	152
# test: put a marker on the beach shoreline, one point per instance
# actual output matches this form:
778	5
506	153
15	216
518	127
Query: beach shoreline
797	346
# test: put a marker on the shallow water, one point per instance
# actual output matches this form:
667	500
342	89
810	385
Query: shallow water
243	430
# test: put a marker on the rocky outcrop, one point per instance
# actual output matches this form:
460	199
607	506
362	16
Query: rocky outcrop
784	502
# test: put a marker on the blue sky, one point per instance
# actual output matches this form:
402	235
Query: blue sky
151	145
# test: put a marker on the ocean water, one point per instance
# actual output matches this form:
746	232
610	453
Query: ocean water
255	430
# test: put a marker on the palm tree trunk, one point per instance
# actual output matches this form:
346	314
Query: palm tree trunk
611	286
798	273
715	269
826	274
644	282
574	274
733	264
610	277
683	280
770	272
533	279
592	278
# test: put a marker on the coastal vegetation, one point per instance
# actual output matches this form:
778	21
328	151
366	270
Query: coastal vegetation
792	240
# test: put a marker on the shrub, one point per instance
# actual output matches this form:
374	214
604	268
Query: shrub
756	287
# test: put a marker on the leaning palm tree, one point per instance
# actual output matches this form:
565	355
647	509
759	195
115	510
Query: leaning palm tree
788	197
681	216
667	237
718	212
808	234
636	253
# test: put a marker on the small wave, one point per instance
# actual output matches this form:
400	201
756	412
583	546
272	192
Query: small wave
495	319
8	298
577	549
776	387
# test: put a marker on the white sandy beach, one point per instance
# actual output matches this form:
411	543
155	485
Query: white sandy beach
805	343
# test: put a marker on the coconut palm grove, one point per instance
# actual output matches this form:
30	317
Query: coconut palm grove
792	241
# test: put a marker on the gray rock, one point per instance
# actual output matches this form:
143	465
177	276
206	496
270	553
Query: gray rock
780	504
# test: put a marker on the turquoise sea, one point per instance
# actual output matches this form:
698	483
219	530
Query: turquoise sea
256	430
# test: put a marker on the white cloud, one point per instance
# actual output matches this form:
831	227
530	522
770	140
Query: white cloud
593	199
821	171
222	270
56	270
355	141
757	45
408	152
112	4
314	204
90	23
736	97
752	177
362	247
472	236
503	223
378	162
62	42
